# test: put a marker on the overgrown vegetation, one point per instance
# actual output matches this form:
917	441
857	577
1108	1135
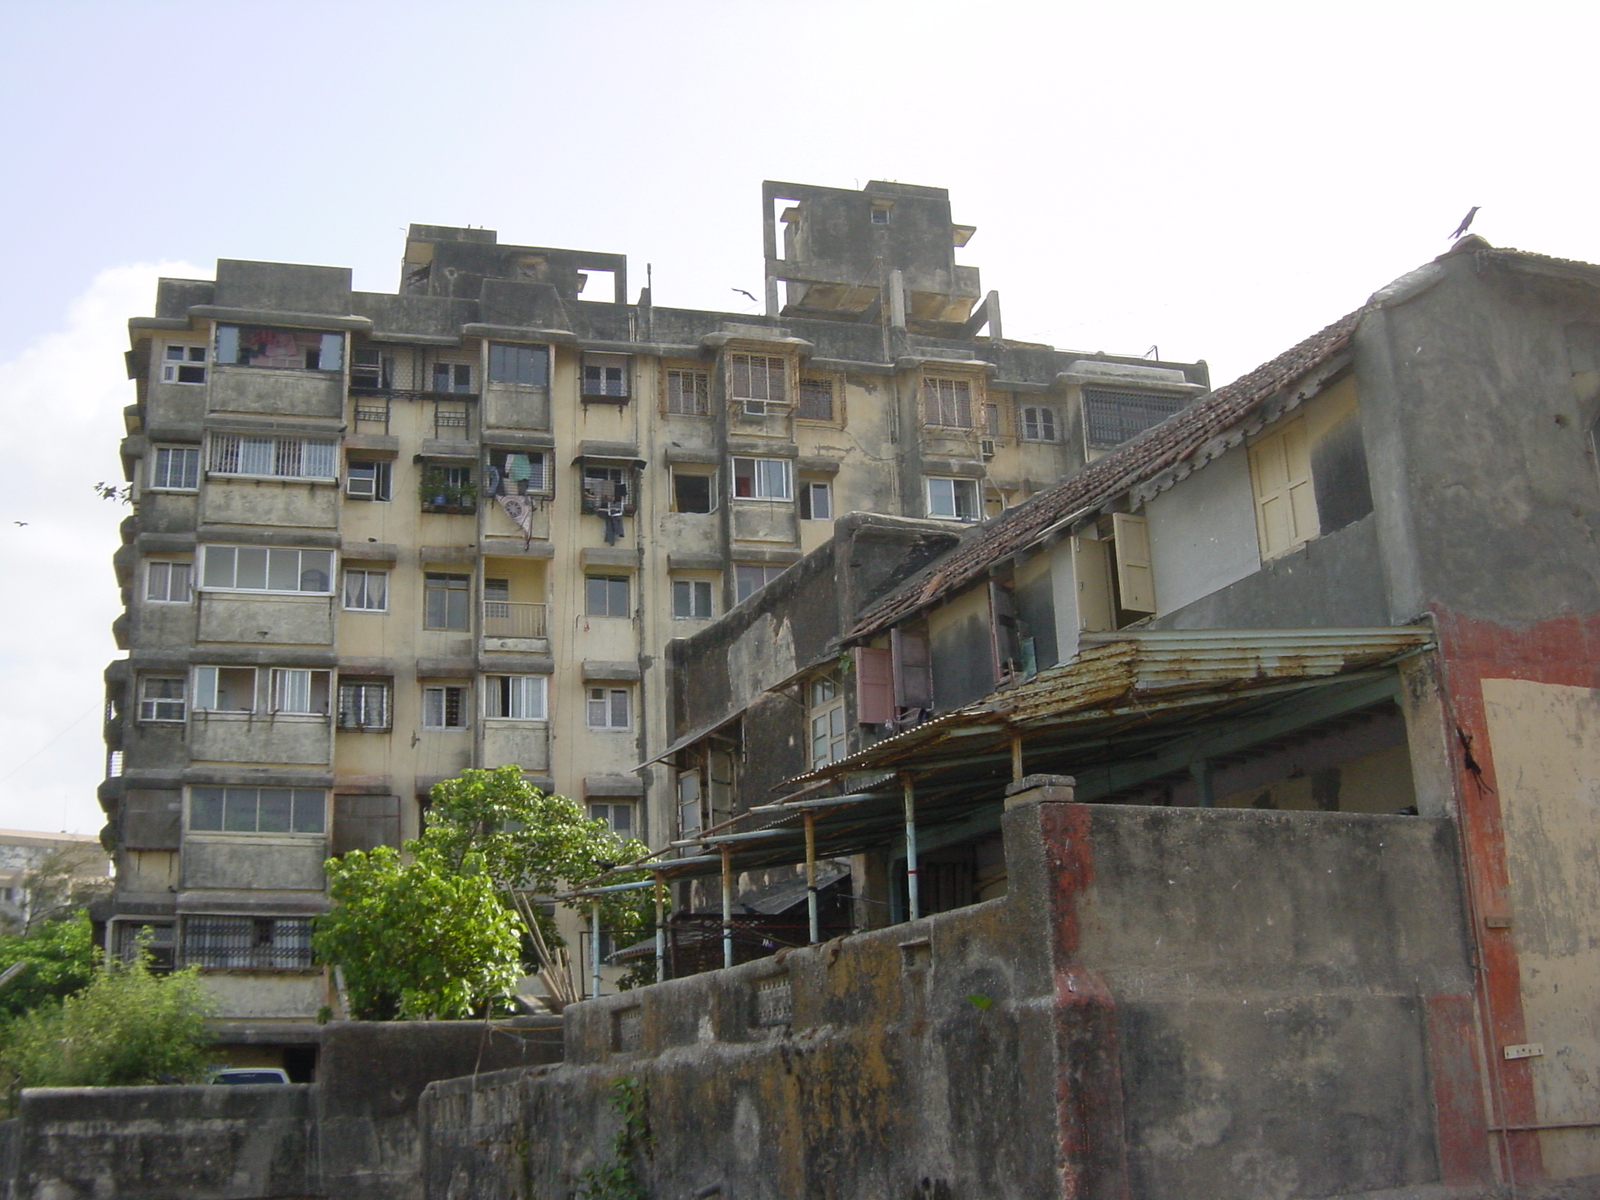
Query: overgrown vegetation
439	931
58	958
619	1178
128	1026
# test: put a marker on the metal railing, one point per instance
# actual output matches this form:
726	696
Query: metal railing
513	618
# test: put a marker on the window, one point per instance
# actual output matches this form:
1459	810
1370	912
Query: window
154	938
168	582
947	403
757	380
515	697
762	478
524	366
1111	418
605	377
749	578
445	602
371	369
283	349
364	704
1038	424
691	599
816	501
273	457
183	364
260	569
991	420
607	490
609	708
880	215
444	707
176	468
225	689
816	400
688	393
953	499
367	480
300	692
248	943
257	810
693	493
452	377
517	473
617	816
826	711
606	596
161	698
1112	563
690	819
1280	476
366	591
447	489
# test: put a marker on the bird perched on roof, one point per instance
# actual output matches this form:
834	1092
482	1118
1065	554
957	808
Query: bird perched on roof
1465	222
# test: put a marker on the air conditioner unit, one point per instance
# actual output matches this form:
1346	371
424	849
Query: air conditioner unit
986	447
363	487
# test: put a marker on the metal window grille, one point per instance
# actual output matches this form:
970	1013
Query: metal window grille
363	706
688	393
773	1001
757	377
286	458
1114	417
248	943
816	400
947	403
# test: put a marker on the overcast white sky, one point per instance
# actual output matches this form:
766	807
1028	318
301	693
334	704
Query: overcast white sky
1218	180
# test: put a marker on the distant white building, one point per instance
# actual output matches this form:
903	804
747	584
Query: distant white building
40	871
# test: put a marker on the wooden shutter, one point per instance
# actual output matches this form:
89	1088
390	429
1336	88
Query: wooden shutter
1131	537
874	685
1286	506
1094	585
913	671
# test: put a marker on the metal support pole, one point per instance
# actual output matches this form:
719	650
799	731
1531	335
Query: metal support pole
1200	772
1016	758
811	876
594	948
661	929
913	897
727	906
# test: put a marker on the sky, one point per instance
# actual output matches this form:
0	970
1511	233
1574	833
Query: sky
1216	180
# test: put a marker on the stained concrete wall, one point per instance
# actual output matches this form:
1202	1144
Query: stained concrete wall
1139	1016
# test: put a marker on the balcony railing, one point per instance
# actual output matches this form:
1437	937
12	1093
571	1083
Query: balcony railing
513	618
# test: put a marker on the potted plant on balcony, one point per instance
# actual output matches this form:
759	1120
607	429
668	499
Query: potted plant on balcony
444	490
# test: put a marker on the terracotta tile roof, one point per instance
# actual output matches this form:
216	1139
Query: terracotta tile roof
1153	451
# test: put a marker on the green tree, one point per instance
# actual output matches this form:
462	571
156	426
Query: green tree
128	1026
59	956
417	939
437	931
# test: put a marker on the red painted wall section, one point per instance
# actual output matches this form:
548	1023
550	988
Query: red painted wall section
1457	1090
1564	650
1089	1091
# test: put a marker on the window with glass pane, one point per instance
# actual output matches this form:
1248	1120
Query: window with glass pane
828	741
444	602
688	393
757	377
527	366
947	402
953	499
605	376
691	599
225	689
366	591
175	468
364	704
367	480
282	349
1038	424
452	377
749	578
762	478
617	816
257	810
444	707
515	697
816	501
816	400
259	569
248	943
606	596
183	364
161	698
272	457
609	707
168	582
371	369
300	691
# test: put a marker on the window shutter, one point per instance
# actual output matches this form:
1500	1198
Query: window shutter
913	672
1134	580
1286	507
874	685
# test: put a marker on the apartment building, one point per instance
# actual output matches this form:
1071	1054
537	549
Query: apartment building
377	538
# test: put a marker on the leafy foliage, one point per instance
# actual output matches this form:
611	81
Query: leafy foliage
127	1027
433	932
61	958
417	939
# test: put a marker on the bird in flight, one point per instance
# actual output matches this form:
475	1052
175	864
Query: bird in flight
1465	222
742	292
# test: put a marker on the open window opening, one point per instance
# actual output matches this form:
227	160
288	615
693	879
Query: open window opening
1112	561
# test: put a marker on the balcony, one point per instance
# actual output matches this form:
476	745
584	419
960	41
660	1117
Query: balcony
514	625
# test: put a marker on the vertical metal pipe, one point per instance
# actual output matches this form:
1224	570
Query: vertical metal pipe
913	897
811	876
1016	757
661	929
1200	772
727	905
594	947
